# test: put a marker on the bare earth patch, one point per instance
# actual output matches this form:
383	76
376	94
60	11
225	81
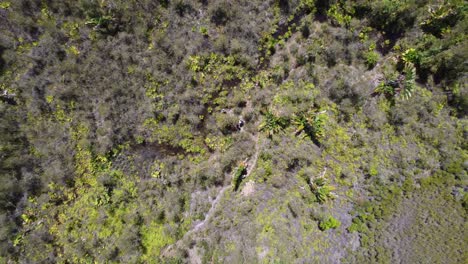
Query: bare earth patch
249	188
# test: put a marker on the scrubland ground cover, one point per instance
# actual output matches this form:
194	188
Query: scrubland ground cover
303	131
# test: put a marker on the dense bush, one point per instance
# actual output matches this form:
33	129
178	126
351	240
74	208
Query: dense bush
371	59
391	16
329	223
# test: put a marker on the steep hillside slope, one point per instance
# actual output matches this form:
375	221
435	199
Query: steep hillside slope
157	131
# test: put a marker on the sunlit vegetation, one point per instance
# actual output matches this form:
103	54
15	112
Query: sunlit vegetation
329	223
321	190
273	124
305	131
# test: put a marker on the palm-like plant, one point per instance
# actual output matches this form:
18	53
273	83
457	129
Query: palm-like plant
385	88
409	82
302	122
321	190
273	124
100	21
403	85
311	123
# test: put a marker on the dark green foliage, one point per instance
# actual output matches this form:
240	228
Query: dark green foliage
305	30
391	16
386	88
221	13
441	17
182	7
238	176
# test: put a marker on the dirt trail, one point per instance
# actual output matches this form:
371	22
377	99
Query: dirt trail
200	225
251	163
210	212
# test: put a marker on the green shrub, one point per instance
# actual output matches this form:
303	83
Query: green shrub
321	190
372	58
204	31
411	55
307	5
385	88
273	124
329	223
154	238
239	176
391	16
5	5
312	124
440	18
338	16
